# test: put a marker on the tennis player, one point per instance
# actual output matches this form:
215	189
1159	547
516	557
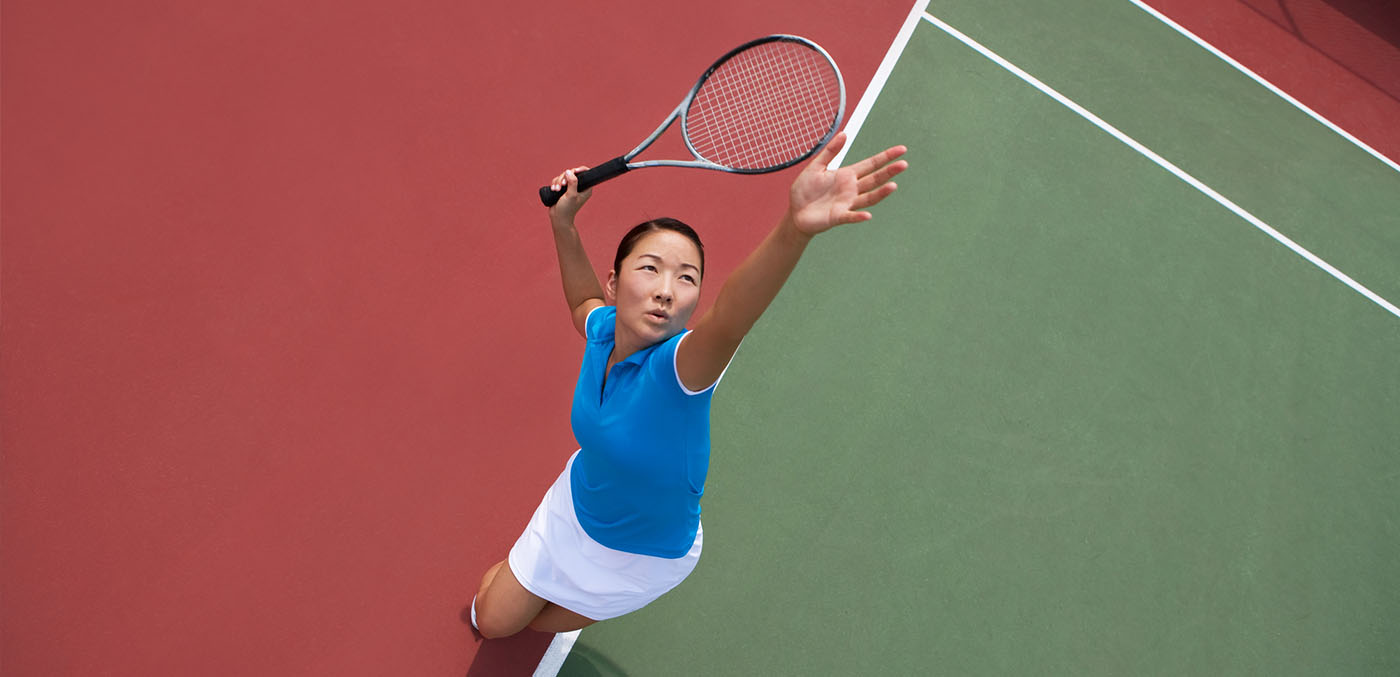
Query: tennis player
621	524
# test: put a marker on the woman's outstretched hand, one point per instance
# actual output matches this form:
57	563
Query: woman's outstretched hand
821	199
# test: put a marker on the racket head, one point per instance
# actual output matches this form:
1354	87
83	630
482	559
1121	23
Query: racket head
765	105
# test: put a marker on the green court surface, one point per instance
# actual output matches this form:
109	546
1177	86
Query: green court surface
1055	411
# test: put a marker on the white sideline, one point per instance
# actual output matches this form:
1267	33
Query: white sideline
877	83
554	656
1149	154
1269	85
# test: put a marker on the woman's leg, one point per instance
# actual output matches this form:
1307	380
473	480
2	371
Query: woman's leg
503	606
551	618
555	618
490	575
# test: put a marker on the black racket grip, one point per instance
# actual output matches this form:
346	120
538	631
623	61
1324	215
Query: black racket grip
587	179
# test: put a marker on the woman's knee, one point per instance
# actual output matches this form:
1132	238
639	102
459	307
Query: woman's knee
554	618
504	607
491	629
494	622
489	576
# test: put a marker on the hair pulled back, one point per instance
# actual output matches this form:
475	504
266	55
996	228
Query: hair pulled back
629	241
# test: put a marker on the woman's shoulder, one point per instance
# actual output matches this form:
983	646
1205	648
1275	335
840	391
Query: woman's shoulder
661	357
669	344
601	324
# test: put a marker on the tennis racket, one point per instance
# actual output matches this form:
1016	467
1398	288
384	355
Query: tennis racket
766	105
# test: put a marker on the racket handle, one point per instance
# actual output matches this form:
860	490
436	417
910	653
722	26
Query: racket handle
587	179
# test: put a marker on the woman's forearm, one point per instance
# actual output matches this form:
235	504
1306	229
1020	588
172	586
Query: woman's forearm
757	281
580	282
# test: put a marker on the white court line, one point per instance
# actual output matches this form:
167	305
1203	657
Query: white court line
554	656
1282	94
1195	183
877	83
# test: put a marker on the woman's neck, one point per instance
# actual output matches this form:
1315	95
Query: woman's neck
624	344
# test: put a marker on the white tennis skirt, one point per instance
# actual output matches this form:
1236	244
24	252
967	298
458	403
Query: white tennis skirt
555	559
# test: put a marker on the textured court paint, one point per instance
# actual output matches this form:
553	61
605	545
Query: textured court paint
1167	165
1340	57
1028	424
1215	123
1270	86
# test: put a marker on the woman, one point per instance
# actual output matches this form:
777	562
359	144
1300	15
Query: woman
621	524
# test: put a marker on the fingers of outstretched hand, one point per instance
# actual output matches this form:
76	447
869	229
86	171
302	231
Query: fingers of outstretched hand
852	213
879	160
873	197
854	217
871	181
827	154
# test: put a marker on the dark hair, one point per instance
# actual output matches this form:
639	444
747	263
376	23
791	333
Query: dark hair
664	223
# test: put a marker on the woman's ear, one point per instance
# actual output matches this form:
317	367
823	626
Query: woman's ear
610	289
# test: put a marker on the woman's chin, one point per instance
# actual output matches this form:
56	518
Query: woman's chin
660	334
656	333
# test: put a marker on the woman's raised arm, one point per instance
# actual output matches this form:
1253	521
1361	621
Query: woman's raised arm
581	288
819	200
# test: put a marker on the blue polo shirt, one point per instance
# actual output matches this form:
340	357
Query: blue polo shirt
644	446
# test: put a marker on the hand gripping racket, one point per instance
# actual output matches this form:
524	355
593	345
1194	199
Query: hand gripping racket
766	105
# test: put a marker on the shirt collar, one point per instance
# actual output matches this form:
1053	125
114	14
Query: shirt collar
641	355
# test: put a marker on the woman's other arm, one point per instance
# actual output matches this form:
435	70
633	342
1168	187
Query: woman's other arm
818	201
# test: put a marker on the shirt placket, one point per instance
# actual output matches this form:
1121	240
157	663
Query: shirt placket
620	372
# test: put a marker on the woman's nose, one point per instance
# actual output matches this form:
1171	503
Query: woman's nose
663	293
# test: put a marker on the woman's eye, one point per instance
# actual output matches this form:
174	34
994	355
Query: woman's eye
688	278
649	267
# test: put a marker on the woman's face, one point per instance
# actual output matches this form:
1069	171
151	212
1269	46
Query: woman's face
658	286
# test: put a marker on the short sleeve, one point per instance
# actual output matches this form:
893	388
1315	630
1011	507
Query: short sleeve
601	323
663	366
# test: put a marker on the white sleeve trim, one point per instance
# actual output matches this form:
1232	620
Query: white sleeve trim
588	317
712	386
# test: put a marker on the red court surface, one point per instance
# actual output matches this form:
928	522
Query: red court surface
286	365
1341	58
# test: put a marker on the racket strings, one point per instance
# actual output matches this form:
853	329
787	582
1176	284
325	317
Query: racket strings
764	107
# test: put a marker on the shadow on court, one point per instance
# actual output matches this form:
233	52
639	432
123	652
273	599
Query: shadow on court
516	655
585	661
520	655
1361	36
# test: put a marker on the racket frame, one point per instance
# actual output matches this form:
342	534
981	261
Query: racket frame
623	163
681	111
